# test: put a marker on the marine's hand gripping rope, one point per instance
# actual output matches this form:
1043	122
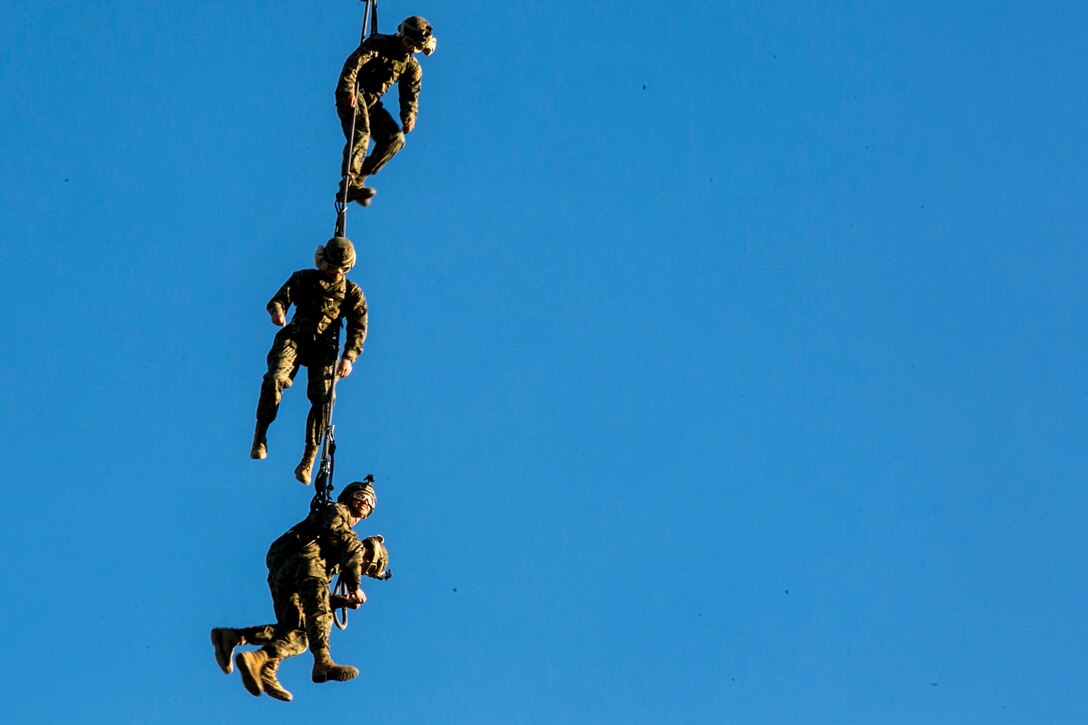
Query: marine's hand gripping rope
370	26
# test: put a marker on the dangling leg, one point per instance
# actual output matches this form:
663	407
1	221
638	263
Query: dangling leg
314	598
318	388
225	639
258	669
351	172
282	368
286	639
388	139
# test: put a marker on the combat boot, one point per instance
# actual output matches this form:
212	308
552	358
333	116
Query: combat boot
259	451
272	686
224	641
361	195
249	667
325	669
302	472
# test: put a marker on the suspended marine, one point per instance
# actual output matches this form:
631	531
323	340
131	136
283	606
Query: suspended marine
379	62
323	297
301	564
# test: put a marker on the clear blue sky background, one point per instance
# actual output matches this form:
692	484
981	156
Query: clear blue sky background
726	361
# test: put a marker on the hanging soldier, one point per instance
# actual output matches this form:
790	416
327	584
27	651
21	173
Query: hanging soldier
301	564
379	62
323	297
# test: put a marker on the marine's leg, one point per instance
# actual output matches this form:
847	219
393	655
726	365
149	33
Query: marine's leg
258	672
286	639
271	683
314	598
318	389
225	639
388	139
355	147
290	631
282	367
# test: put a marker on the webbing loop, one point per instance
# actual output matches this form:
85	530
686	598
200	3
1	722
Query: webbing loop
340	616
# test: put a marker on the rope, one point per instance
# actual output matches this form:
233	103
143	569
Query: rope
372	9
370	26
323	483
323	487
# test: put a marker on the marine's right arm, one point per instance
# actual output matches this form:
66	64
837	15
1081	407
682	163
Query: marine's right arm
345	89
354	311
341	547
408	89
277	306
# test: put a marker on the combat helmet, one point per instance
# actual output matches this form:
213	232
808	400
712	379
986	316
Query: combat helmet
337	252
417	31
377	558
360	490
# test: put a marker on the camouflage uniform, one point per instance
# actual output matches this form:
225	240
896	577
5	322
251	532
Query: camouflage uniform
378	63
300	584
290	543
309	339
301	565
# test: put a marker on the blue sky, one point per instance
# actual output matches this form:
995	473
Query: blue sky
726	360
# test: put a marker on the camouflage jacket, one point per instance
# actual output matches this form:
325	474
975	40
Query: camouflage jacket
319	303
376	65
320	546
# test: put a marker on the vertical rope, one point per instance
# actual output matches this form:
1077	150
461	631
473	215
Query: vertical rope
323	483
369	27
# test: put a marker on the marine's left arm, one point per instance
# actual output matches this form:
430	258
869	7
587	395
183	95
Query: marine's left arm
281	301
340	545
408	89
345	87
355	313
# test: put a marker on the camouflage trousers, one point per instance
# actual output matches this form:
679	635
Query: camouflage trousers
303	615
290	351
371	122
